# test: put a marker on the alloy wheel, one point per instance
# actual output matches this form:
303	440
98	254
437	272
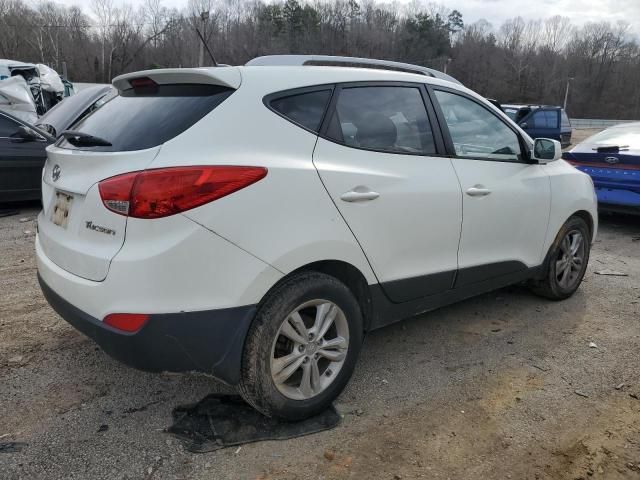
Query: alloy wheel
309	350
570	259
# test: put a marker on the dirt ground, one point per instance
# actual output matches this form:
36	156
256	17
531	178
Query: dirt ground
505	385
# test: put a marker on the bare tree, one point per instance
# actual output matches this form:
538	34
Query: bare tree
518	61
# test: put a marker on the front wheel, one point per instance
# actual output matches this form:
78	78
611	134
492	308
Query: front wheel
567	261
302	347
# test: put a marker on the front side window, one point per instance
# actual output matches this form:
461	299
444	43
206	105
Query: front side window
386	119
305	109
475	131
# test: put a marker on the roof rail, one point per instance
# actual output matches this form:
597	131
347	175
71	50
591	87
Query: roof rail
332	61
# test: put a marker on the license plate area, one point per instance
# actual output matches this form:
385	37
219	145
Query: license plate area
61	209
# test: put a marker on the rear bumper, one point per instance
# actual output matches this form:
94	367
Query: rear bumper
205	341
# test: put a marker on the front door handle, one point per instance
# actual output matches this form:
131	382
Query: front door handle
359	196
478	191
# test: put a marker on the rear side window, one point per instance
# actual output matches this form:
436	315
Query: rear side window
304	109
136	120
386	119
545	119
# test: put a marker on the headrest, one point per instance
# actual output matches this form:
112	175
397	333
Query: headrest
376	130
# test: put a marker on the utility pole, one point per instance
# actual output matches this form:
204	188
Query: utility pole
204	16
446	64
566	93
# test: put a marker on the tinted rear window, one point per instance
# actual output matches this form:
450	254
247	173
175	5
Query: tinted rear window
136	120
305	109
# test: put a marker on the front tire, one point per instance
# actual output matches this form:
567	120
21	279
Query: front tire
566	262
302	347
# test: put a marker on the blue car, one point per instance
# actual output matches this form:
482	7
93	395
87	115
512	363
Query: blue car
612	159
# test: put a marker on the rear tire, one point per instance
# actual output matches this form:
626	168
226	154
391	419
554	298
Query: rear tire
566	262
302	347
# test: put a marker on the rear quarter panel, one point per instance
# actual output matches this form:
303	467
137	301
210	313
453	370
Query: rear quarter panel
286	219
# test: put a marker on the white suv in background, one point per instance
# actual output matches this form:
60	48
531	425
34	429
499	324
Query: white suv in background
255	222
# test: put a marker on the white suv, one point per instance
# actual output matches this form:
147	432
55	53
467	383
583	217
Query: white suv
255	222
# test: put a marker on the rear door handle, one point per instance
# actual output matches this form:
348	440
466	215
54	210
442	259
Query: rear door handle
478	192
359	196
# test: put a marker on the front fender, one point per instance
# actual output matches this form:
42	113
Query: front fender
571	192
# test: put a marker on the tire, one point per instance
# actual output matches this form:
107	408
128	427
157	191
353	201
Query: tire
273	340
554	285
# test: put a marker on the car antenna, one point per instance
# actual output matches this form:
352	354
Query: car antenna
213	59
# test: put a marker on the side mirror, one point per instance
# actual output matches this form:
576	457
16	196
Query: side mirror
546	150
24	134
524	125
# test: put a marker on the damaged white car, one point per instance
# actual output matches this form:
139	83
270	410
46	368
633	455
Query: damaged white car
28	90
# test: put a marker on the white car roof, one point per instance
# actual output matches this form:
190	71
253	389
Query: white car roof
358	62
279	77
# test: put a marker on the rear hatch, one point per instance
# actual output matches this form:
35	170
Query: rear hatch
76	231
565	128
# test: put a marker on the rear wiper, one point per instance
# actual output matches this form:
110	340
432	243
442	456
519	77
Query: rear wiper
611	149
84	139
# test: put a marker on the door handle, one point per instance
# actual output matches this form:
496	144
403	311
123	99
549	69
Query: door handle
359	196
478	191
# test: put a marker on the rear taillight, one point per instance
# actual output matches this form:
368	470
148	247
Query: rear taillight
167	191
127	322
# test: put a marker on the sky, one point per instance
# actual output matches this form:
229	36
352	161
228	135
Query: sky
496	11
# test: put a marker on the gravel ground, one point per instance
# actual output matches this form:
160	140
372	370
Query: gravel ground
505	385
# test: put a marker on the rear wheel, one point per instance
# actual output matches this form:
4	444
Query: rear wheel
302	347
567	261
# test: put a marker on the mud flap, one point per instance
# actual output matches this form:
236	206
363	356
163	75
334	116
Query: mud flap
221	421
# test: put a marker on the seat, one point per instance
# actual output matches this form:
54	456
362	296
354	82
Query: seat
376	131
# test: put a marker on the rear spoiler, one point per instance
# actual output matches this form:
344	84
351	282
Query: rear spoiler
222	76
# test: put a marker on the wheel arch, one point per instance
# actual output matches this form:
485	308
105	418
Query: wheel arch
348	274
586	216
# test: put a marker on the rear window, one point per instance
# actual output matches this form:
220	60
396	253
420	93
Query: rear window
145	118
620	136
565	119
304	109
